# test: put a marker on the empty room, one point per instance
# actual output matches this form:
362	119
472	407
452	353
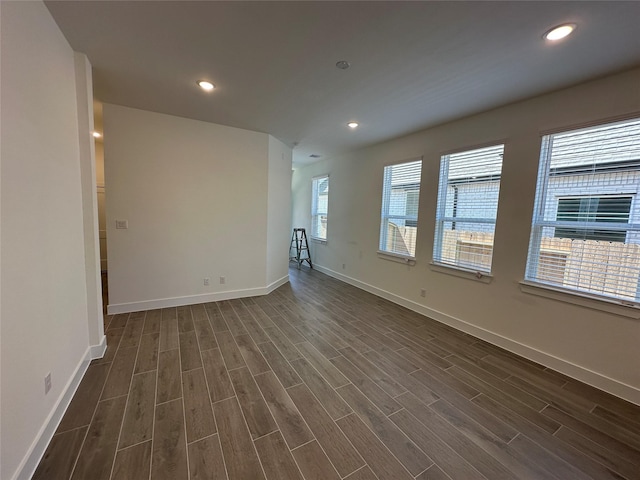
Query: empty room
273	240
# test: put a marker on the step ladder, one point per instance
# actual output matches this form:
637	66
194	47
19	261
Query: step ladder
298	248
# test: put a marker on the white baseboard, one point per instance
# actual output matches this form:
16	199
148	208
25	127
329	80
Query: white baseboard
194	299
35	453
97	351
277	284
572	370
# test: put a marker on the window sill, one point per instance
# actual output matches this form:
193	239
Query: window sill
319	240
394	257
617	307
476	275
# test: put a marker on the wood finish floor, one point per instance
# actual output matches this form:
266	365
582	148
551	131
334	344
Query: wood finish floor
320	380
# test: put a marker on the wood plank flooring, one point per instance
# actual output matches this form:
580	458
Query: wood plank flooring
320	380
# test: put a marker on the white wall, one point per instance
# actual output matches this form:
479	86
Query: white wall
597	347
195	195
88	179
278	211
44	295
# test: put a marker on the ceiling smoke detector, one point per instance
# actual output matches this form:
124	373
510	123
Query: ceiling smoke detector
314	155
343	64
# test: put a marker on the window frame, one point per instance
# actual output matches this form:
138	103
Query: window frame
569	293
466	270
315	195
385	215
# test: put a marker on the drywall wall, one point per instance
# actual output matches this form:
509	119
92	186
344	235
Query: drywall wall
44	295
597	347
88	181
278	212
195	196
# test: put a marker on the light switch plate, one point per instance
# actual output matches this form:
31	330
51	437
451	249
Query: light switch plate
122	224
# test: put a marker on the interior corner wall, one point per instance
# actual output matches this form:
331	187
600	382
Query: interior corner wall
43	300
278	213
194	195
591	345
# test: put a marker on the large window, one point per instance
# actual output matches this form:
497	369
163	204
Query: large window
467	207
585	234
399	217
319	207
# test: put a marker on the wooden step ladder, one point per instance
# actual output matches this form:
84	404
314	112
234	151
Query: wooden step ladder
299	246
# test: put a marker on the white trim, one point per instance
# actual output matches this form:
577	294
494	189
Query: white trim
595	379
277	284
30	462
194	299
97	351
456	271
397	257
584	299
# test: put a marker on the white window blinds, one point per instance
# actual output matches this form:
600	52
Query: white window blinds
467	207
585	233
319	207
399	215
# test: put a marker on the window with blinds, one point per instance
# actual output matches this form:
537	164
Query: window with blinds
467	207
319	207
399	215
585	233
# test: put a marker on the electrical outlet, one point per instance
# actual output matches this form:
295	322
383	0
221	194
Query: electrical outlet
423	292
223	280
206	281
47	383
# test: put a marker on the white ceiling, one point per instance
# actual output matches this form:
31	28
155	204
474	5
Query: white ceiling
413	64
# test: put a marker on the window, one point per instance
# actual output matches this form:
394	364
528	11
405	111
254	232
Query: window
585	233
467	207
319	207
592	209
399	217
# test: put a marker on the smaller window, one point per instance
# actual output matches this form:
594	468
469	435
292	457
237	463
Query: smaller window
608	209
399	215
319	207
467	208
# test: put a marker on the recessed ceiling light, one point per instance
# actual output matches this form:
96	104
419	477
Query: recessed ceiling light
343	64
352	124
559	32
208	86
96	134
